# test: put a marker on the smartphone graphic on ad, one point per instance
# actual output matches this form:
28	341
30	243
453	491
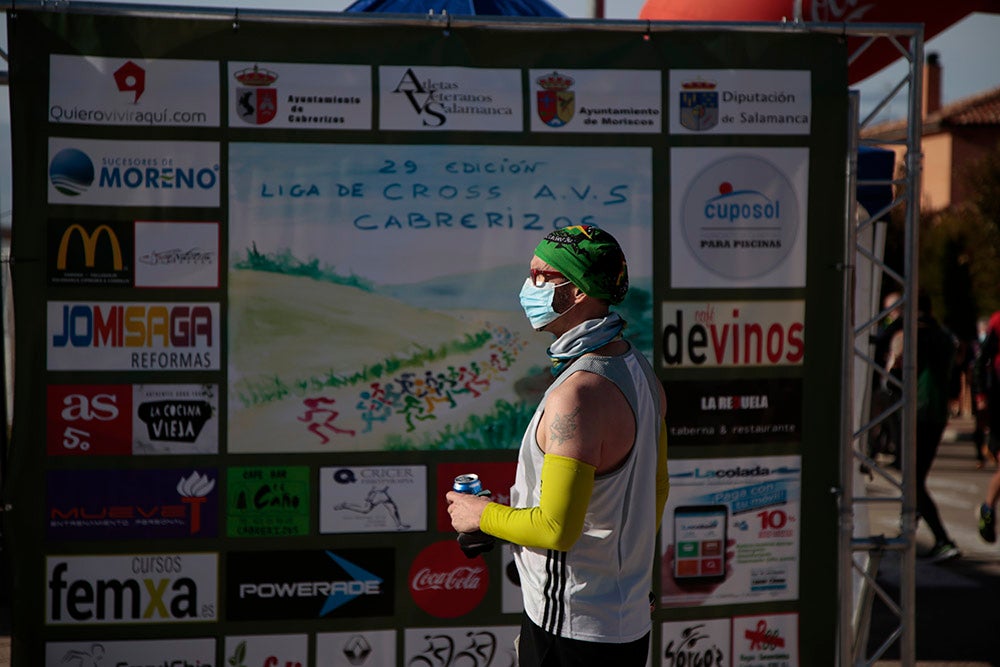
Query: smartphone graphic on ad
700	543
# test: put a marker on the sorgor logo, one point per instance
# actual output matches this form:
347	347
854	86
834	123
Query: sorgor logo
71	172
686	650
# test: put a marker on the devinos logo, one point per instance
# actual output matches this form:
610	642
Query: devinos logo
71	172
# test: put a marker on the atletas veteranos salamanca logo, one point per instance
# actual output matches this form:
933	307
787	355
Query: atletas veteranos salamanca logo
71	172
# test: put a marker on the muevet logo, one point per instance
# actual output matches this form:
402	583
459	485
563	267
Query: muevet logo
723	334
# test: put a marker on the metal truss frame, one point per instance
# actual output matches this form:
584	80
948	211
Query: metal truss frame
862	551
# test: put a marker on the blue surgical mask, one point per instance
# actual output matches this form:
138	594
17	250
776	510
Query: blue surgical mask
537	303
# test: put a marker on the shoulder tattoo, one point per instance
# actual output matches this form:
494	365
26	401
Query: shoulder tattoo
563	427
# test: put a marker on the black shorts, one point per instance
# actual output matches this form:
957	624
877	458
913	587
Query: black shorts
538	648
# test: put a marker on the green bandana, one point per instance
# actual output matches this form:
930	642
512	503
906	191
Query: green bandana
590	257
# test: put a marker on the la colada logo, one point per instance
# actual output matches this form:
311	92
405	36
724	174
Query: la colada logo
556	102
699	105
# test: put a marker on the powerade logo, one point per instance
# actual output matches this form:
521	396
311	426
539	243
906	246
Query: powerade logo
133	173
71	172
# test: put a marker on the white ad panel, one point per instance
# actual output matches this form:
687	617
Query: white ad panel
738	217
740	101
596	100
300	96
177	254
767	640
132	336
696	642
176	419
370	648
733	334
372	499
450	98
464	645
96	653
92	90
131	588
96	172
268	650
731	530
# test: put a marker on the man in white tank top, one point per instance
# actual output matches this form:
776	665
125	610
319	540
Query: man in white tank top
596	446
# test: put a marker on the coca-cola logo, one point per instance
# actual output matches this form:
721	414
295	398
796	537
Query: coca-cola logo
445	583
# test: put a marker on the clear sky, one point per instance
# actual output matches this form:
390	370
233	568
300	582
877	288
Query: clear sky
969	53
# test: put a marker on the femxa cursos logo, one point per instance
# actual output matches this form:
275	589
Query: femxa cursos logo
140	588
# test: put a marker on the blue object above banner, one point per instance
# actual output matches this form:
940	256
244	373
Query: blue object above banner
458	7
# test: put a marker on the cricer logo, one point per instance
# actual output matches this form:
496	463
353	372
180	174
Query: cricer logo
156	594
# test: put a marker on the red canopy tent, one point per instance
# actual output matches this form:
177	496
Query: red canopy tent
936	16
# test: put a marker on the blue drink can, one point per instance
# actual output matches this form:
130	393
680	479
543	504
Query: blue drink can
468	483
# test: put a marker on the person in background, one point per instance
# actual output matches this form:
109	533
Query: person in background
591	480
986	383
980	408
936	349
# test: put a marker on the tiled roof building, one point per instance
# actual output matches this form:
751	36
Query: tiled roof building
955	137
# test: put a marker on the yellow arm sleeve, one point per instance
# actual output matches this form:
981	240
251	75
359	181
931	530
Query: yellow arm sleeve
662	475
557	521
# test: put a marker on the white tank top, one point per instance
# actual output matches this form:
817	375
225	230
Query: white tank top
599	589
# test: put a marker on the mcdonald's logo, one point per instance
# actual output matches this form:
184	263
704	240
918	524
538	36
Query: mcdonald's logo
89	246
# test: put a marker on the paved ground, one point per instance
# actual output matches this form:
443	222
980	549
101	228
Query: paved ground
956	602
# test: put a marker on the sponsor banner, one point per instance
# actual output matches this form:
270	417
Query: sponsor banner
740	101
300	96
446	583
175	419
98	172
738	217
370	648
734	412
346	583
696	642
450	98
135	336
467	645
730	531
267	501
373	499
770	640
131	588
88	420
596	100
91	653
92	254
131	504
177	254
91	90
267	651
732	334
497	477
